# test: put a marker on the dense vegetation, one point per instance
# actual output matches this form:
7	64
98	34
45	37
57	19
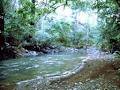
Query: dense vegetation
21	19
59	44
109	24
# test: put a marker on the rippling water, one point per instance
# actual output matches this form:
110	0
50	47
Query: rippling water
16	70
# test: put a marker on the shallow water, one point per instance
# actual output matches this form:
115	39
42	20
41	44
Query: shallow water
16	70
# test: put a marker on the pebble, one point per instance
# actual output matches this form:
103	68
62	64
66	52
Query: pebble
80	83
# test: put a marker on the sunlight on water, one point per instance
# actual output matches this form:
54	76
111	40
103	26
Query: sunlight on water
13	71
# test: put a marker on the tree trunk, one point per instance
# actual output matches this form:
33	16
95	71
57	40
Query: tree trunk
2	41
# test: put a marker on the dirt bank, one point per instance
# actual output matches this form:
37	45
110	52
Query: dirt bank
96	75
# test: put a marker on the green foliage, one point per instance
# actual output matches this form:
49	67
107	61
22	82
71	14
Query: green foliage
63	34
60	32
109	23
18	22
82	5
77	39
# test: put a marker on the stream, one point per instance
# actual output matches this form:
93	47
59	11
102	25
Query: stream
17	70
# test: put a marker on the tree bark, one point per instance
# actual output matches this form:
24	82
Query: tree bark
2	41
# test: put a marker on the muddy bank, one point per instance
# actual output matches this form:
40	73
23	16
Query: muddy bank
11	52
96	74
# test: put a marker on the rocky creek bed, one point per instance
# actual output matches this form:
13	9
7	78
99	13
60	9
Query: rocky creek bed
95	75
98	71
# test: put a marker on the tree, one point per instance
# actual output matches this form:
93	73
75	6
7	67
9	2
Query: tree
109	23
1	24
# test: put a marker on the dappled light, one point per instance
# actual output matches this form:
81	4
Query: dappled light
64	11
87	18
